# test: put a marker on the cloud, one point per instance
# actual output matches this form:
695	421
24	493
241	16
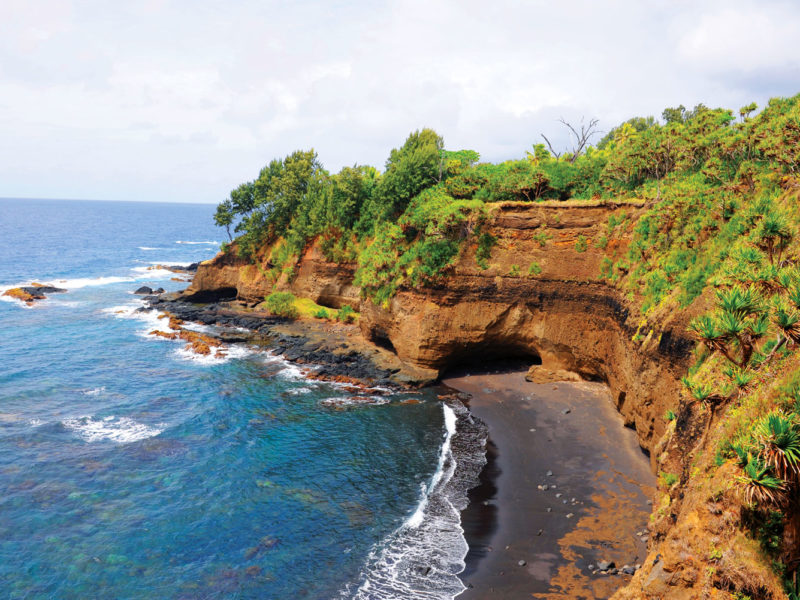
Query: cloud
178	100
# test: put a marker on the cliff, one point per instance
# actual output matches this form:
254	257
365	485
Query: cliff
540	297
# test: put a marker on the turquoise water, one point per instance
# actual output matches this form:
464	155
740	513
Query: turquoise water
130	468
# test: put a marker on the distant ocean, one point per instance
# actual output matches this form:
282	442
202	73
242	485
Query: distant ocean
131	468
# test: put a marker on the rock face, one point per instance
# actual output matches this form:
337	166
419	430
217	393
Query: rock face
540	297
228	275
561	315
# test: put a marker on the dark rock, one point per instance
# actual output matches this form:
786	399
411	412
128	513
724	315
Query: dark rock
159	291
43	289
144	290
628	570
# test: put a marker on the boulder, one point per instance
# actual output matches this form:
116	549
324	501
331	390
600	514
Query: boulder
144	290
541	374
605	565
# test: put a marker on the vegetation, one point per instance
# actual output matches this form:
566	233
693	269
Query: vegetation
719	228
281	304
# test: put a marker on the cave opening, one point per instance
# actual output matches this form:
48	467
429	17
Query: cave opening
490	358
224	294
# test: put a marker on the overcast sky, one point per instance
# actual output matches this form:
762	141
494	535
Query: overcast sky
182	100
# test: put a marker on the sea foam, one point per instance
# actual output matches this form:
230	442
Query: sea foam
423	557
121	430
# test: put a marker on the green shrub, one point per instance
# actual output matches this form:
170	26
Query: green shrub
668	479
581	244
534	269
513	271
322	314
485	243
282	304
541	237
346	314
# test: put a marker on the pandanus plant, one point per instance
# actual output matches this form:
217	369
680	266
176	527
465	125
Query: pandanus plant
759	486
779	439
741	378
740	324
773	235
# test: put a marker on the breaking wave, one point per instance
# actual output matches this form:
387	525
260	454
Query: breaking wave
422	558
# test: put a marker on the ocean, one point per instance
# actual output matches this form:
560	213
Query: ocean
132	468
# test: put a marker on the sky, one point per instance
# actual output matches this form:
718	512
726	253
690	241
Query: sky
161	100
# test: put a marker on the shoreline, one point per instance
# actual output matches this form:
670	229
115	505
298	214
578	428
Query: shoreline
517	547
522	540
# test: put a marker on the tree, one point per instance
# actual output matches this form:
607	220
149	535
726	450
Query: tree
634	125
224	216
745	111
409	169
580	137
674	115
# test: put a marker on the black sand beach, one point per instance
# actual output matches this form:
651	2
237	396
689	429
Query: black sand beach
530	542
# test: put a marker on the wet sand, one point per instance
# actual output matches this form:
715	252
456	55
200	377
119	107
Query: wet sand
601	474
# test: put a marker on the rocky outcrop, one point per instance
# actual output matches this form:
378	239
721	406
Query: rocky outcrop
229	275
540	296
30	293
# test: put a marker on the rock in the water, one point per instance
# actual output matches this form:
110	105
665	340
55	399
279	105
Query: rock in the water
144	290
628	570
159	291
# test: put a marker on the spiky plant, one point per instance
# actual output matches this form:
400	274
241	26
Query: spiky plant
793	293
773	234
705	329
787	277
759	486
703	393
788	321
741	378
731	324
743	454
780	444
739	300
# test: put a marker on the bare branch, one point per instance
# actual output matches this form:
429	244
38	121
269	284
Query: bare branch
550	147
581	137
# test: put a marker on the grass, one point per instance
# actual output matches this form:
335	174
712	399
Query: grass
306	308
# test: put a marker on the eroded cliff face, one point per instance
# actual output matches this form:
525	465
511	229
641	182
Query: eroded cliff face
541	297
563	314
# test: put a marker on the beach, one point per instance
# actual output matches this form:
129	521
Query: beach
566	486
